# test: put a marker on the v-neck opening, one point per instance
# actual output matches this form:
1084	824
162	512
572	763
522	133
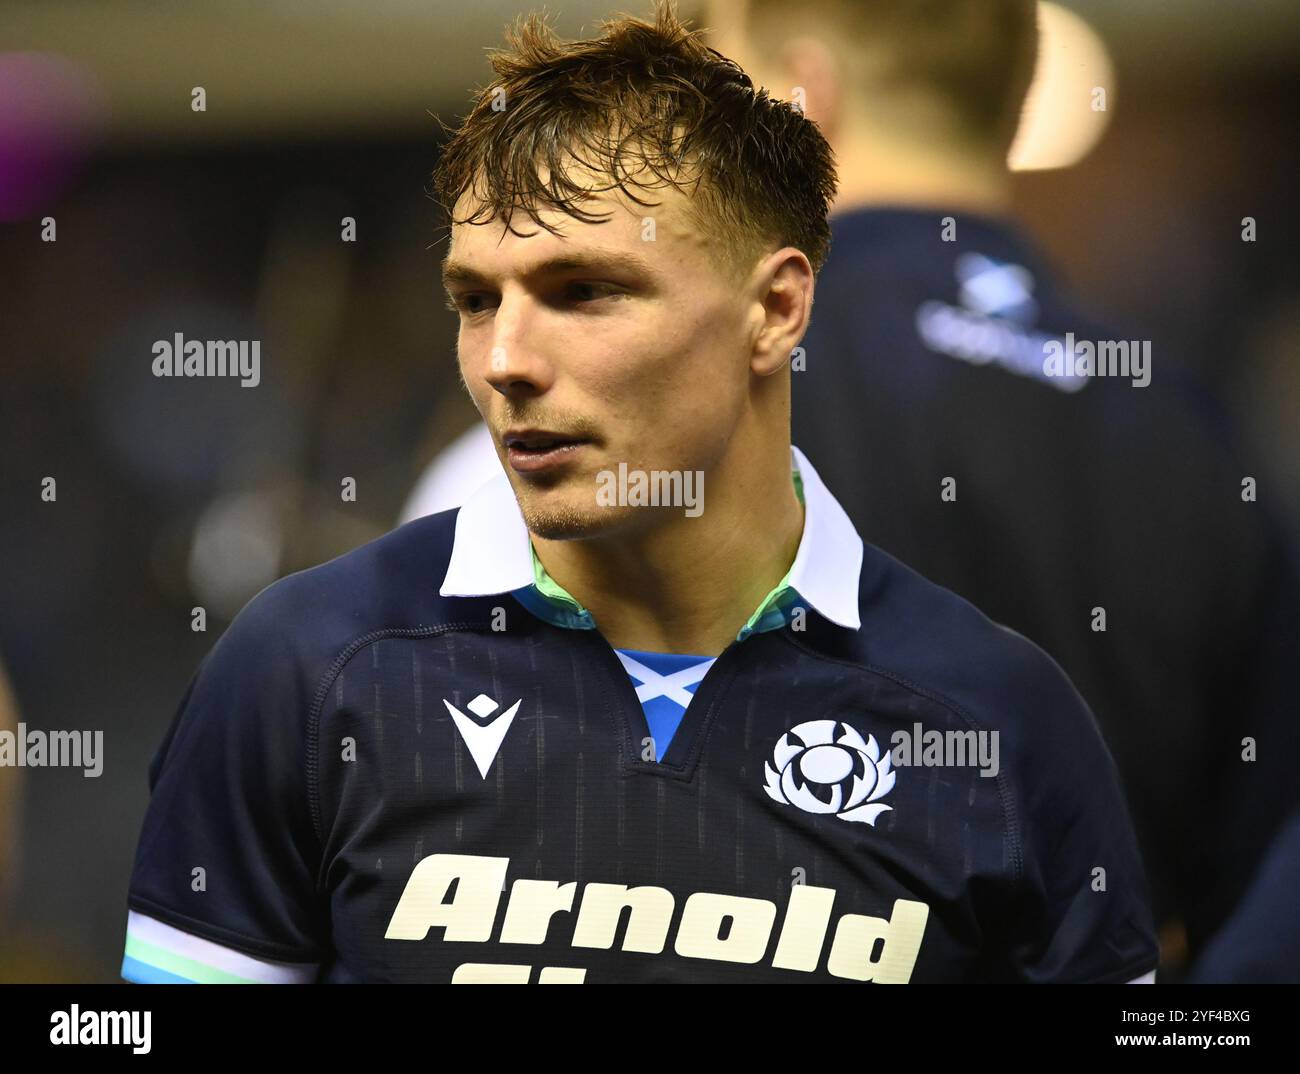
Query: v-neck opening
665	685
681	754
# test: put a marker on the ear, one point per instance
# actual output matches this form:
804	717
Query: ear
785	283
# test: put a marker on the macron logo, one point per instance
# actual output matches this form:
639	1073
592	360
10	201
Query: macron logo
485	730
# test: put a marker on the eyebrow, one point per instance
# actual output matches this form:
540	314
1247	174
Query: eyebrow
457	272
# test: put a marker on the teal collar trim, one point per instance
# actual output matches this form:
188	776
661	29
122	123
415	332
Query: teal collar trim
550	601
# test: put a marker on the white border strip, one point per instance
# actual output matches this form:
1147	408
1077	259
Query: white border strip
152	931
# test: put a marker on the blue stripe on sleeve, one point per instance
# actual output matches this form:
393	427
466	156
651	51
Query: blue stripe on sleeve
142	973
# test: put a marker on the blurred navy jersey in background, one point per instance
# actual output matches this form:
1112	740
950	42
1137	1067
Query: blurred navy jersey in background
1075	505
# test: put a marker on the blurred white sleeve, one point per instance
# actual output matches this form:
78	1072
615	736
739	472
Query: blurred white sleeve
464	466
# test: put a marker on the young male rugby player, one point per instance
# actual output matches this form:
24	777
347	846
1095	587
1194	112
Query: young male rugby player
645	708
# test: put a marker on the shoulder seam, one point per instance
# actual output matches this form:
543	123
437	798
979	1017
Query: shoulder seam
318	703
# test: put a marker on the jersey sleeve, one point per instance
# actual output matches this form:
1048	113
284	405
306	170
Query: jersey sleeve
1081	911
223	887
159	953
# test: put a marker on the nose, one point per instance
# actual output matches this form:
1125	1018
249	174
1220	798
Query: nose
516	364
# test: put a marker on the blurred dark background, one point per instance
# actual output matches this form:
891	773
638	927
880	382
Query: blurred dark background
226	224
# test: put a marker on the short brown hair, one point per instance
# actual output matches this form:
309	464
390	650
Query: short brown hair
641	95
976	57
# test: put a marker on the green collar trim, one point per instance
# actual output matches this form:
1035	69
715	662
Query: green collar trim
549	600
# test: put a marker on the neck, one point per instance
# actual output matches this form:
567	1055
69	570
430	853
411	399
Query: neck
922	175
687	585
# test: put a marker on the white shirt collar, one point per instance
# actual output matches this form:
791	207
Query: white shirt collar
491	552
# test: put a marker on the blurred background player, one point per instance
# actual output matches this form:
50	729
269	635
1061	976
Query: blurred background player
1104	520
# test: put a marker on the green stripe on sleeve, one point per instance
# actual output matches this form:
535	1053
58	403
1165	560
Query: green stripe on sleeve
179	964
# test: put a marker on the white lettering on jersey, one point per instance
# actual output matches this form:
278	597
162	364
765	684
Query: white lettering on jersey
715	927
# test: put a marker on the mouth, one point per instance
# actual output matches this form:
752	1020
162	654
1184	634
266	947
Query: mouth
535	450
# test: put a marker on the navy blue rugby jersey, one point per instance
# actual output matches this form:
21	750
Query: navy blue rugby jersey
413	764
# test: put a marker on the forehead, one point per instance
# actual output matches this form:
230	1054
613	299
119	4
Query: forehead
654	237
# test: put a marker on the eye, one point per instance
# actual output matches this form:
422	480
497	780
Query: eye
469	302
589	290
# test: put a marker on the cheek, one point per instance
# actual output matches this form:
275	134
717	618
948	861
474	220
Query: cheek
645	378
675	382
621	368
704	366
472	361
468	377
